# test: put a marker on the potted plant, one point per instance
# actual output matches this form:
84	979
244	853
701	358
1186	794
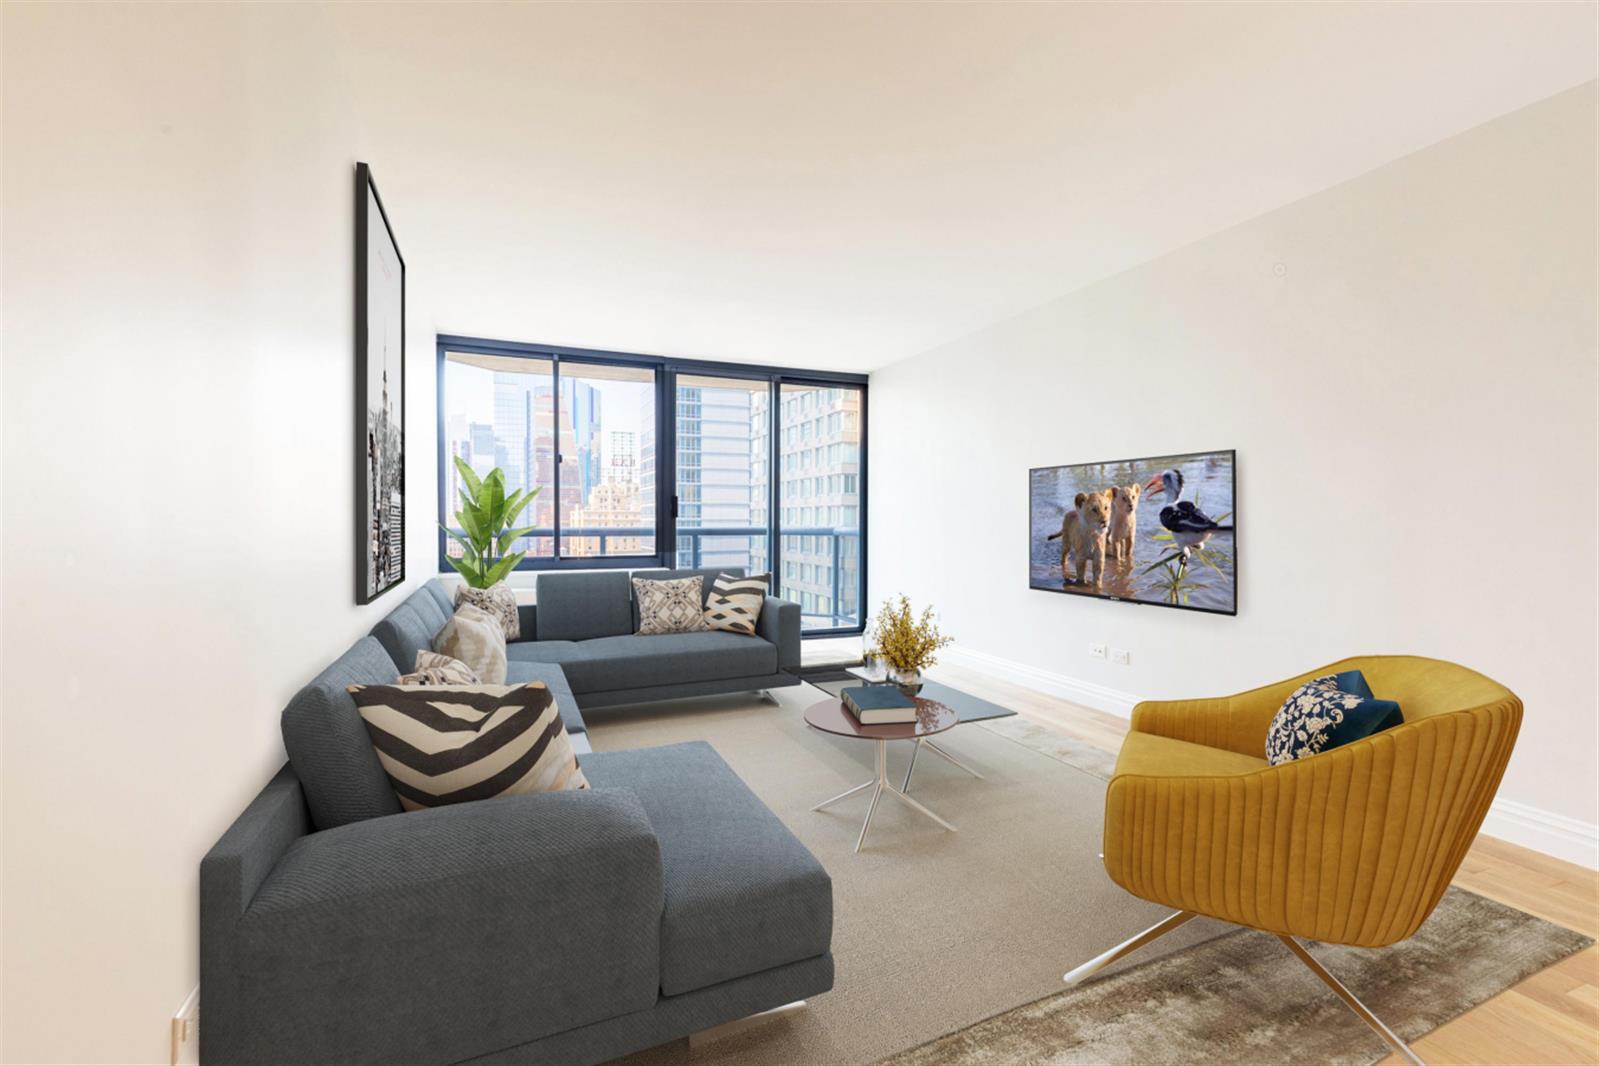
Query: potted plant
908	643
488	527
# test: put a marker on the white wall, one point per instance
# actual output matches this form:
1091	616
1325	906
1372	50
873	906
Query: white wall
178	216
1406	365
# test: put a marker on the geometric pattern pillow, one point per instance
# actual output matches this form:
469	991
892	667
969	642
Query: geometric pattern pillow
1320	715
435	669
477	639
444	744
498	600
669	606
734	603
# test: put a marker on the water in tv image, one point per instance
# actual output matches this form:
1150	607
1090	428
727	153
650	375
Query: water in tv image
1157	530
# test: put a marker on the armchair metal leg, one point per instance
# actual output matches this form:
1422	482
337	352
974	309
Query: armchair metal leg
1127	947
1361	1010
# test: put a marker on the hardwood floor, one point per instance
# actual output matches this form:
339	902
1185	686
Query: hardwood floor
1551	1017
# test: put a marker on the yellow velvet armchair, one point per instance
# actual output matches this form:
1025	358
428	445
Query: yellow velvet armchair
1352	846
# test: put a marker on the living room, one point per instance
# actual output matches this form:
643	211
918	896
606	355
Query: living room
514	526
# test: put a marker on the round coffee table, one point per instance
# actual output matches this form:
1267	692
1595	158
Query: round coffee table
932	717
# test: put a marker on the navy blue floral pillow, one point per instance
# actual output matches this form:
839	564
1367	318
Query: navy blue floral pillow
1326	712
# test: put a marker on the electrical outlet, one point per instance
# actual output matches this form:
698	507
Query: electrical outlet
1096	651
186	1031
1120	656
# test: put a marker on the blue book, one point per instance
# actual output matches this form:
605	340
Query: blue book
878	705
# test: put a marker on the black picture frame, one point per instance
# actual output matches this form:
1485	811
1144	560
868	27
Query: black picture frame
379	435
1230	612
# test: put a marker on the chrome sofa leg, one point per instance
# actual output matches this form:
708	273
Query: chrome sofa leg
1361	1010
738	1025
1127	947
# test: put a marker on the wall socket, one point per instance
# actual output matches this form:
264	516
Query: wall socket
1120	656
186	1031
1096	651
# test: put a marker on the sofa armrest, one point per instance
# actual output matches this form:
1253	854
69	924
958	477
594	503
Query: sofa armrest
527	619
513	918
779	622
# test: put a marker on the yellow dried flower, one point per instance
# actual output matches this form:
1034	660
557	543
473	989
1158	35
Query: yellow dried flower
906	641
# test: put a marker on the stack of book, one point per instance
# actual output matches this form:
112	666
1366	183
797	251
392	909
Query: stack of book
878	705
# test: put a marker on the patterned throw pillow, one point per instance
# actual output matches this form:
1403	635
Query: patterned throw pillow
498	600
734	603
669	606
443	744
475	637
1324	713
435	669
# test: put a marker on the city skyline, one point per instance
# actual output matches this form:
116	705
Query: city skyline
608	440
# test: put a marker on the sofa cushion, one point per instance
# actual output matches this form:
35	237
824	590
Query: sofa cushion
582	606
706	574
446	744
435	668
328	744
670	606
475	637
403	633
520	673
610	664
742	895
441	595
427	608
1156	756
498	600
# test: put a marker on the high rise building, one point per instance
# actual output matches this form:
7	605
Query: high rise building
717	486
819	456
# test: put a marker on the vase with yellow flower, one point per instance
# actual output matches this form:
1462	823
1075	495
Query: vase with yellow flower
907	642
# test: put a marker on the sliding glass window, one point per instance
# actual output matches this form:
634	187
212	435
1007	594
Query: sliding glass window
648	461
723	451
819	503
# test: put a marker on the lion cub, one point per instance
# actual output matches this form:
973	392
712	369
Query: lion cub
1082	536
1123	521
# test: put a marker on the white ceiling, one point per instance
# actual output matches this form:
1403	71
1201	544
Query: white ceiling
843	186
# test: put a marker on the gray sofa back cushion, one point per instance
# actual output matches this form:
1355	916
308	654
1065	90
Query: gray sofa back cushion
328	745
427	608
583	606
403	633
707	573
444	597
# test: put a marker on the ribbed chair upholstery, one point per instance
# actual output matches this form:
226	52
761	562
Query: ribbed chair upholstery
1353	846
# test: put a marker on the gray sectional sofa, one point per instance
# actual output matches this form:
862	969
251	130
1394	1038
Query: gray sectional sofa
566	927
583	625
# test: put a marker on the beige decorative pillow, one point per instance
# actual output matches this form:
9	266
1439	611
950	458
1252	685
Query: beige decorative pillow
476	638
443	744
498	600
669	606
435	669
734	603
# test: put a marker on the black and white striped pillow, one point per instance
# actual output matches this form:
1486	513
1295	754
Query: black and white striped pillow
443	744
734	603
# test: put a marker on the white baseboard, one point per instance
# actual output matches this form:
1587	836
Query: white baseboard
1553	834
1095	697
1544	831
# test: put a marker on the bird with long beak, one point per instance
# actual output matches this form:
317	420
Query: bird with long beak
1189	527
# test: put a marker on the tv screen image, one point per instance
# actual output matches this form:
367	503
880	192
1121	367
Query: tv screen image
1159	530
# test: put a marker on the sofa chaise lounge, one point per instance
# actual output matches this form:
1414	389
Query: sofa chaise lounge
564	927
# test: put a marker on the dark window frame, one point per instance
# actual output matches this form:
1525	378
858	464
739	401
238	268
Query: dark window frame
667	369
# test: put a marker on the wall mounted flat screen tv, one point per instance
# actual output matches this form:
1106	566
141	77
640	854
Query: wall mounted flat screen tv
1161	530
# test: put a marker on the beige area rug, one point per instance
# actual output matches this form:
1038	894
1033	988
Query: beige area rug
952	945
1242	998
932	930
